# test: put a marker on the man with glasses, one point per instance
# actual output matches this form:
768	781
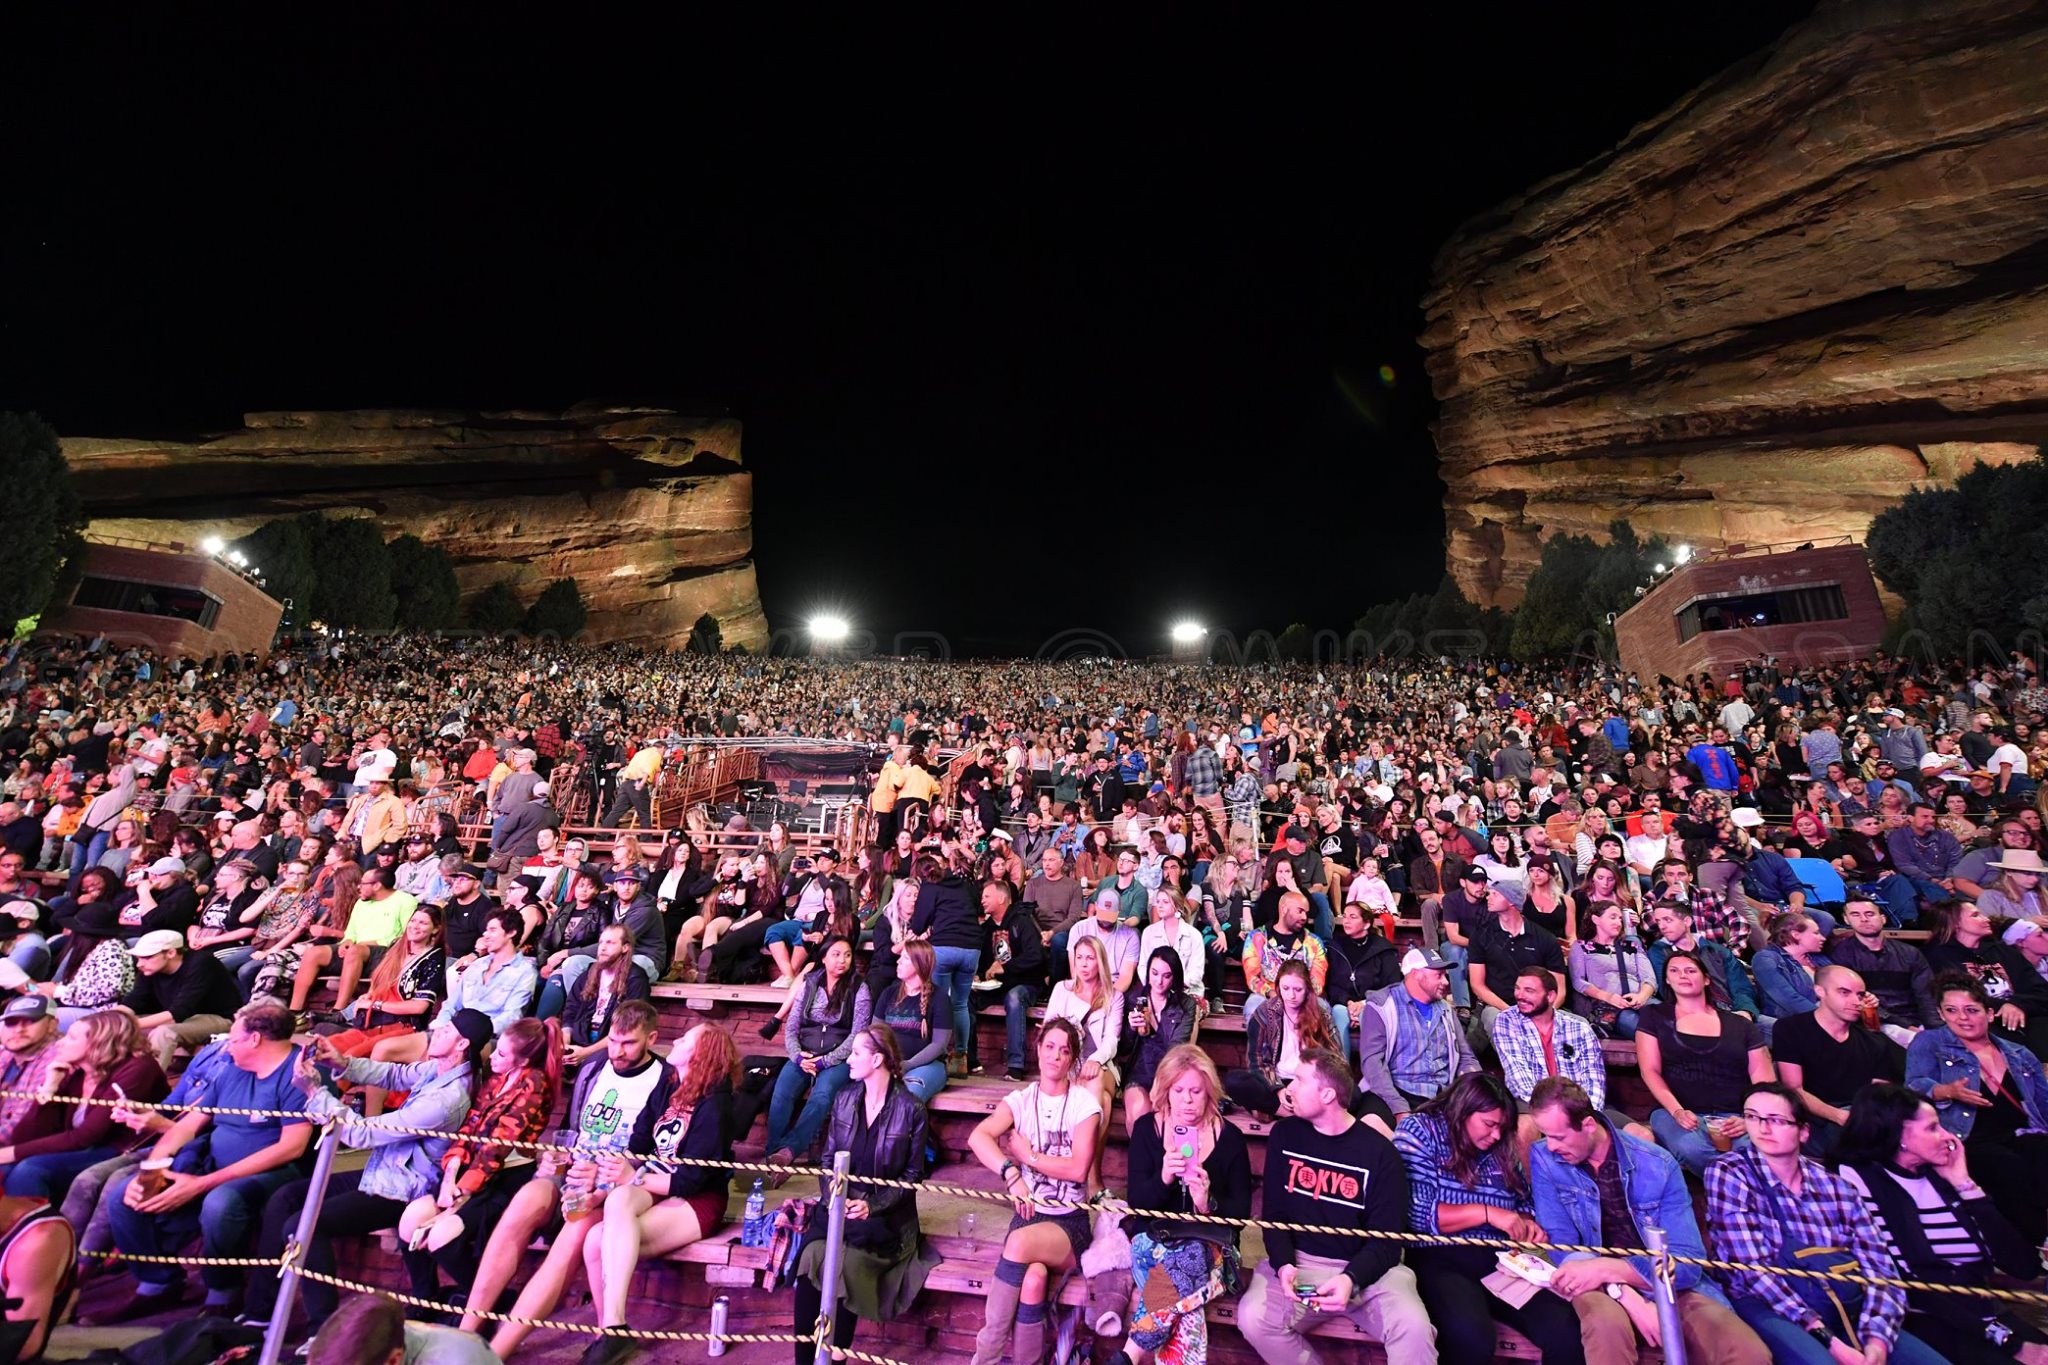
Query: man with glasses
1979	869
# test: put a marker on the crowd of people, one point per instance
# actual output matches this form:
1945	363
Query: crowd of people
1450	890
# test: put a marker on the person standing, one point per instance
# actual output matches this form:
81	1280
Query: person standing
1325	1168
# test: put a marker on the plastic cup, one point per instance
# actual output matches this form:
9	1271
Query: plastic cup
154	1176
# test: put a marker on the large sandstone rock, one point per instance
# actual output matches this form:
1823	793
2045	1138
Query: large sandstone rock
1811	284
647	510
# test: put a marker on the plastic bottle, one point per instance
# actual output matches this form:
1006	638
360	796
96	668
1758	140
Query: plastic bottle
754	1230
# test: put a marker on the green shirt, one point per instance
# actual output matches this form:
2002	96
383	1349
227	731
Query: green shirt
380	922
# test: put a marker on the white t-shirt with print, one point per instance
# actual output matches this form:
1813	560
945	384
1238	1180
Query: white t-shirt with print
1048	1123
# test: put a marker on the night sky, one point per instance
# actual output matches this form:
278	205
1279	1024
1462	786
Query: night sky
1034	329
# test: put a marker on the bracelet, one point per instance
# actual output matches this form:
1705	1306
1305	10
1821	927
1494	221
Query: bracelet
1007	1171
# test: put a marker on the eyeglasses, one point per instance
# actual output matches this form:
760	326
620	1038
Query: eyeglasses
1769	1122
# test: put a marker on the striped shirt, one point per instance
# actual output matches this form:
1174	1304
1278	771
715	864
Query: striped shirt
1946	1234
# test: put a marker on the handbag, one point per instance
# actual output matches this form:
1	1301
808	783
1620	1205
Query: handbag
1838	1303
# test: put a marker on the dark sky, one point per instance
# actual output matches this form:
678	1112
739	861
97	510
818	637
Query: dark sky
1035	330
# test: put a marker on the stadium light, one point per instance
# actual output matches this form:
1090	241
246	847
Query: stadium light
213	545
237	558
1684	554
829	630
1187	632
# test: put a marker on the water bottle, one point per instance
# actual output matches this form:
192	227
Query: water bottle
754	1230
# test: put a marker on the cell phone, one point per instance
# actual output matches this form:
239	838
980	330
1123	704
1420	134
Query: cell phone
1307	1293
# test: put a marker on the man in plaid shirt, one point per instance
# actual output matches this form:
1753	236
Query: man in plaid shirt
1765	1204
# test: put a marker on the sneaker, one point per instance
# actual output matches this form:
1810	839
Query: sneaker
1015	1073
610	1351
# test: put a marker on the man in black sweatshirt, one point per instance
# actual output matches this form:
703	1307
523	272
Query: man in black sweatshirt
1326	1169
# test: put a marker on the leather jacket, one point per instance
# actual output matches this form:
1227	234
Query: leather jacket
901	1138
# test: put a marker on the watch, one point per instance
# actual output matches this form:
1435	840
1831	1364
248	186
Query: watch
1821	1334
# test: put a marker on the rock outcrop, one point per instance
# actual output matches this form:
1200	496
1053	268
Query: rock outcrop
1813	283
648	510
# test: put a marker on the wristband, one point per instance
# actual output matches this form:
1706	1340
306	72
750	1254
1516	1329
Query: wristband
1009	1168
1821	1334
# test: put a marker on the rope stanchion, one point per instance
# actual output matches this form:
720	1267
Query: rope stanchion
1665	1290
835	1248
1102	1203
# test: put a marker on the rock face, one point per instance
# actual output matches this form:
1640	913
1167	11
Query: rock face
1811	284
649	511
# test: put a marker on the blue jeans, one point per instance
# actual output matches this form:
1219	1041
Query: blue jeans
955	975
1340	1021
788	932
31	953
48	1176
790	1082
225	1222
1789	1344
1322	925
1455	956
1900	899
237	958
925	1081
1694	1150
1017	1003
84	855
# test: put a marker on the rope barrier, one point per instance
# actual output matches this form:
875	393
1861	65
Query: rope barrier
1106	1204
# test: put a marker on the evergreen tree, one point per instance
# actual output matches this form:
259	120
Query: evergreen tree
496	609
45	520
423	581
558	613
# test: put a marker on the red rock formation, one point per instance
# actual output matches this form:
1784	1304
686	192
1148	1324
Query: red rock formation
1811	284
647	510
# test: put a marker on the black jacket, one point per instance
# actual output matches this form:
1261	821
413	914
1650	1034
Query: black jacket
946	910
899	1150
1026	939
582	1022
1359	966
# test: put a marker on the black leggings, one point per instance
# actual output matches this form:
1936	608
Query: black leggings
809	1299
739	946
1448	1279
461	1257
345	1212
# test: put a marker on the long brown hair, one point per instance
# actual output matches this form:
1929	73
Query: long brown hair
390	962
1314	1028
1471	1094
926	960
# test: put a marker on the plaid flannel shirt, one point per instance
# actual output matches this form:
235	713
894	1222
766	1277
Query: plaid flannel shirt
1746	1225
1572	1038
1713	918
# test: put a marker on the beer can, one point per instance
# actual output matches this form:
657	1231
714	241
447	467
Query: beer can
720	1306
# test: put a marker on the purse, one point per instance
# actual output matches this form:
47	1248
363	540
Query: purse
1839	1303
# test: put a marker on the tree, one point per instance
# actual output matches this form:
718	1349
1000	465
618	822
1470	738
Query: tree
1970	558
423	580
1294	643
284	552
1578	587
351	573
497	608
706	637
45	520
558	612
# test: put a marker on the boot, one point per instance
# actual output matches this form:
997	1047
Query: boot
1027	1345
996	1326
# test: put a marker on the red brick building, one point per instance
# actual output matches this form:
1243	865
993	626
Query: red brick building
177	600
1717	613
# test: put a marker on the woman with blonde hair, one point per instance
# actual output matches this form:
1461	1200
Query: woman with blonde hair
1093	1005
1184	1159
100	1057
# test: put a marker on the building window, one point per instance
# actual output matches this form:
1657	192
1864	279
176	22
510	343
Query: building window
1753	611
148	599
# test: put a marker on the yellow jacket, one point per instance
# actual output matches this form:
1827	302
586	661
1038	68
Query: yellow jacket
384	824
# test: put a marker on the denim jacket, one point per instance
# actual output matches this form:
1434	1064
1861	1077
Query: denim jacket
401	1166
1938	1057
1568	1205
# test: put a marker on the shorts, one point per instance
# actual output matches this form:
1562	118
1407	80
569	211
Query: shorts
709	1208
1078	1224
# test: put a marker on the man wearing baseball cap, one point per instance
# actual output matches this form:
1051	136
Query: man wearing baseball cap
1410	1046
27	1030
180	999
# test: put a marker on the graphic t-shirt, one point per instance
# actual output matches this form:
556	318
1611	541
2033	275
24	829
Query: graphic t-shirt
612	1105
1049	1123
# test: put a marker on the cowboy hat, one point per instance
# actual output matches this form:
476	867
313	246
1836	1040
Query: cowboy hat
2019	860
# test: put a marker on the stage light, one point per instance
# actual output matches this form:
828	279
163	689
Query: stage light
213	545
1187	632
829	629
1684	554
236	558
1657	568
